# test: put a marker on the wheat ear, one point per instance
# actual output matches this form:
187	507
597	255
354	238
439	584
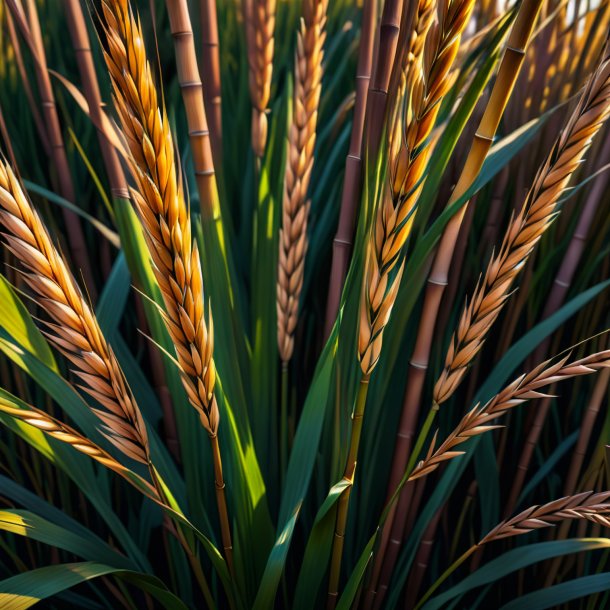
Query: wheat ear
160	202
74	330
299	162
527	387
537	213
260	28
587	505
427	83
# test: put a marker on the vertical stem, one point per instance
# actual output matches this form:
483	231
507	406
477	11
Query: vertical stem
284	423
33	34
192	96
221	500
351	193
210	74
343	504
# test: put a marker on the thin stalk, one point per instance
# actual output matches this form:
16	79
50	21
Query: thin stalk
351	192
210	74
221	501
284	422
343	503
503	86
421	561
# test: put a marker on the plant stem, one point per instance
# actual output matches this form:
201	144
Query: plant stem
423	435
221	500
454	566
343	503
284	423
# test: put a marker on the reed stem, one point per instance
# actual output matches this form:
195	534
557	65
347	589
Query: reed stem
343	503
284	423
221	501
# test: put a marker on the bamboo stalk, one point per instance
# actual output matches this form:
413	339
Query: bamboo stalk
30	26
508	72
86	68
194	105
40	128
389	30
351	192
210	74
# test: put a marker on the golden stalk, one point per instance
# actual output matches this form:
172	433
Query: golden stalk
526	229
299	163
74	330
260	28
160	202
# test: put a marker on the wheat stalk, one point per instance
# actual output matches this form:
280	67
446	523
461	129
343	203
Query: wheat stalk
427	83
526	229
260	28
160	202
299	163
526	387
74	330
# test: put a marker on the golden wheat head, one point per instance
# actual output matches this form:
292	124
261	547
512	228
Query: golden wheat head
299	163
426	82
160	202
74	330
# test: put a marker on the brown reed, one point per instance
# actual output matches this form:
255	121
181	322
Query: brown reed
74	330
526	229
29	25
260	28
160	202
299	162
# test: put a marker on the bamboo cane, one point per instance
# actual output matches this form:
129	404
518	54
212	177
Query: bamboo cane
210	74
342	243
192	95
30	26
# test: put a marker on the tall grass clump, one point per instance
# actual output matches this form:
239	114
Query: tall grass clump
304	304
